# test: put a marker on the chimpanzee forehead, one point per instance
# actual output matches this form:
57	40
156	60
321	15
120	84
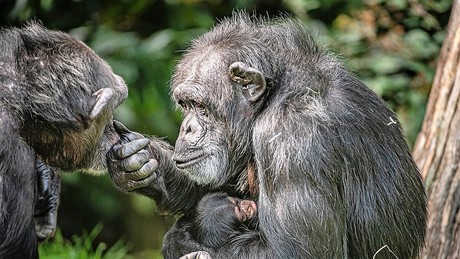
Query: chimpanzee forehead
199	64
205	71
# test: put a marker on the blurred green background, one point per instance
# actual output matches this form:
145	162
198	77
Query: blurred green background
391	45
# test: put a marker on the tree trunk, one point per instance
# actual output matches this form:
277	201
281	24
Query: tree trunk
437	149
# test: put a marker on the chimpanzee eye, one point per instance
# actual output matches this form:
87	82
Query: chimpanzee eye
197	105
202	111
182	104
199	108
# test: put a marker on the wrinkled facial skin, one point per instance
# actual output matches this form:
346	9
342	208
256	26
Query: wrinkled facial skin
214	143
201	147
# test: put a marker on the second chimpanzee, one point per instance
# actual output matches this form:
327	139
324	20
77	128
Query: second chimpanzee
56	103
219	218
271	116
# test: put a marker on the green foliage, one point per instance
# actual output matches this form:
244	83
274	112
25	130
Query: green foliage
81	247
393	46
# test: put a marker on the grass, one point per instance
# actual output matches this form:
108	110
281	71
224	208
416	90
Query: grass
82	247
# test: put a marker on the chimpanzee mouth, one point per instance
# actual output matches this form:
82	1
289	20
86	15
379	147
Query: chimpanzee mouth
183	162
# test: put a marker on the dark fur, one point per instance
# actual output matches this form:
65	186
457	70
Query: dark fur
335	176
216	222
48	84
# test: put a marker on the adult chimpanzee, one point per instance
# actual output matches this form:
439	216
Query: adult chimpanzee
56	103
220	217
265	107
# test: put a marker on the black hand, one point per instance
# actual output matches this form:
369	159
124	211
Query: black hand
46	207
131	166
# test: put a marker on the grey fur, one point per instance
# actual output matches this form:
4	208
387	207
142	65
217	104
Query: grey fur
334	179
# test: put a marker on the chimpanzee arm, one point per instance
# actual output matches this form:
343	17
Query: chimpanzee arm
46	207
145	166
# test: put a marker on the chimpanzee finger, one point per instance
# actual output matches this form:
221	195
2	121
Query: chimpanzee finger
133	185
134	162
144	172
122	151
43	175
120	127
126	134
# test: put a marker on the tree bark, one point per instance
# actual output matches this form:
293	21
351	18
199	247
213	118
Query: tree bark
437	149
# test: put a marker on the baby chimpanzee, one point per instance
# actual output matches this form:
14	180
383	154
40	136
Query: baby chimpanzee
219	217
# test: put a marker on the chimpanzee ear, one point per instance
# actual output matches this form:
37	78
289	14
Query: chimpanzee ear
101	99
251	79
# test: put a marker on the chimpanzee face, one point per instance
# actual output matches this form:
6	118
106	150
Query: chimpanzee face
202	148
216	98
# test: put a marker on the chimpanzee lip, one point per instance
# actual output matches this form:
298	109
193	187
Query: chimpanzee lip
183	162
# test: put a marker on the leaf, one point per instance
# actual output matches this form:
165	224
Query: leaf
420	44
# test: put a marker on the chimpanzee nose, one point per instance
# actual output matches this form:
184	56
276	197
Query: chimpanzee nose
190	127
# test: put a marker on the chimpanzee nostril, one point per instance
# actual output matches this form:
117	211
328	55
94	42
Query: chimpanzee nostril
188	129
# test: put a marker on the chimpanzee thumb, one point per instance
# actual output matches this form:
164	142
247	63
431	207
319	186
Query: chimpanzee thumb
120	128
126	134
